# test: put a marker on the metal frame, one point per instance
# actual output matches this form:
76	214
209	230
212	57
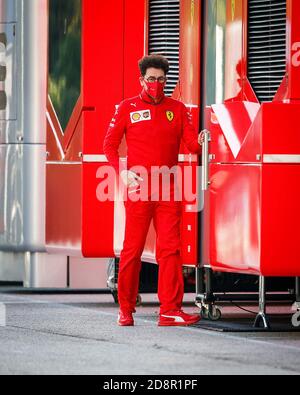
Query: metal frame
262	315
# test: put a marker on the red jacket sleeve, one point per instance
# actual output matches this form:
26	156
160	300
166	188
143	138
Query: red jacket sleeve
114	137
189	133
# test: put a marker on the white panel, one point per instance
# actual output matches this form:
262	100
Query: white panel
282	158
11	267
45	271
88	273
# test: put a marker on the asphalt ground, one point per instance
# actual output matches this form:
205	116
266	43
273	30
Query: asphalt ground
78	335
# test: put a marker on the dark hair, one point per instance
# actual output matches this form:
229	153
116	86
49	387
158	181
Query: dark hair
156	61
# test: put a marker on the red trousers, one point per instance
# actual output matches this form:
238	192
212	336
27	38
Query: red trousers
167	219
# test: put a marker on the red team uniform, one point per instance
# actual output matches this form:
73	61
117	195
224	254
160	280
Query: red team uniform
154	133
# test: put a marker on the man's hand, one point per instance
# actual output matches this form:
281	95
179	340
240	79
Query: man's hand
201	138
130	178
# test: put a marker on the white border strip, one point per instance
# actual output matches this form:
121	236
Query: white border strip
281	158
95	159
65	163
102	158
191	158
55	135
191	105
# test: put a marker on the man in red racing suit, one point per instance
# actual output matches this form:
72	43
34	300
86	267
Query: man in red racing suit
154	126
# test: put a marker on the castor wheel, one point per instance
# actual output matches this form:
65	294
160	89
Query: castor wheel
215	314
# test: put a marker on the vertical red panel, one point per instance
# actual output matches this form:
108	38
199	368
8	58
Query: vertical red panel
103	74
103	65
114	40
293	48
134	44
280	220
189	93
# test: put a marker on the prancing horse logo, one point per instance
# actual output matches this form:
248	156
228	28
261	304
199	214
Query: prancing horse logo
170	115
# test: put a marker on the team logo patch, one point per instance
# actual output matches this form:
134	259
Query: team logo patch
170	115
136	117
139	116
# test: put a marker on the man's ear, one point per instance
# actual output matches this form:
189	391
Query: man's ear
142	81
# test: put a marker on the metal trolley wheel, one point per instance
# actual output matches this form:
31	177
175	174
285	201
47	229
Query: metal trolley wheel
211	313
205	298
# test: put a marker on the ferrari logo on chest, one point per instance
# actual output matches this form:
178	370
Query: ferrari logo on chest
170	115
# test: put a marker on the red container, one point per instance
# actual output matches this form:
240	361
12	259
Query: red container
254	194
114	38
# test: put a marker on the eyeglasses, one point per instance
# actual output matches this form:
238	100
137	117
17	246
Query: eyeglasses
161	80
